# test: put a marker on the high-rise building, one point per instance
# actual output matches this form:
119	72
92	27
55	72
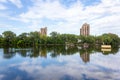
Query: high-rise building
43	31
85	30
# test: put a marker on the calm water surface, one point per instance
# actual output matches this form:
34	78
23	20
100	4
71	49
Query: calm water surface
59	63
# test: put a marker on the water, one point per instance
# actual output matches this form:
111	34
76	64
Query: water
59	63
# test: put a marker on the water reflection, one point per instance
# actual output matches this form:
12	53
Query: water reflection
59	63
43	52
55	51
9	53
85	56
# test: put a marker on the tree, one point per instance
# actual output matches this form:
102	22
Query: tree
54	34
1	40
23	36
110	39
23	39
87	39
34	37
9	38
54	37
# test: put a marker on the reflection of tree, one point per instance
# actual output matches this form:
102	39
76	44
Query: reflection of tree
60	50
71	51
53	54
35	52
43	52
24	52
113	51
54	51
28	52
8	53
97	48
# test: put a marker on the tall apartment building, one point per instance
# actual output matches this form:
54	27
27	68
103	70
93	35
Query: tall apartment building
85	30
43	31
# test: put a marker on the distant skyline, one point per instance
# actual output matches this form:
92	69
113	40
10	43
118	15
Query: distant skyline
63	16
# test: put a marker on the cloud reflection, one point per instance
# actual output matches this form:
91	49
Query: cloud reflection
74	69
64	67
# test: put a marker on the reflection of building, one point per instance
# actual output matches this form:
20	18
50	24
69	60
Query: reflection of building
43	53
85	57
85	30
43	31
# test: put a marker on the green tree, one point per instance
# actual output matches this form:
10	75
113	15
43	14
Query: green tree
1	40
110	39
87	39
9	38
98	39
35	38
54	37
54	34
23	39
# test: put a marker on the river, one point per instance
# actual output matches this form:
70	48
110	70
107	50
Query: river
59	63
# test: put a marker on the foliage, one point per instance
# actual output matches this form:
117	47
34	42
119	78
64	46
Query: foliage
1	40
9	38
110	39
87	39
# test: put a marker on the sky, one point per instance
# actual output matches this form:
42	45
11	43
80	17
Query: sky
63	16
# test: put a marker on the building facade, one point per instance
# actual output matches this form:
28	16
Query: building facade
43	31
85	30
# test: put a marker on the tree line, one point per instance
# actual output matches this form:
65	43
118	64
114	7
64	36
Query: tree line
10	39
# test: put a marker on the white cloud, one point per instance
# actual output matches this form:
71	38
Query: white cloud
99	16
2	76
5	27
17	3
2	7
3	0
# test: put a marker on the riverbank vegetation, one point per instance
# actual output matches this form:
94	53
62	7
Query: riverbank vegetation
10	39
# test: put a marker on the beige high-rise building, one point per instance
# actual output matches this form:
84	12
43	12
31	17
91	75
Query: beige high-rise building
85	30
43	31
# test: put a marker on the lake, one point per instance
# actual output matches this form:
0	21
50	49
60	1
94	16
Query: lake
59	63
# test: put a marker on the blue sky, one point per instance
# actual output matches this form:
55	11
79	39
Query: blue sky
63	16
